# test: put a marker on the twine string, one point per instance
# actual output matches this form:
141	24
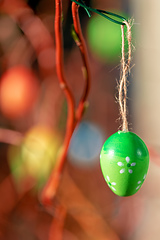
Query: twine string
123	80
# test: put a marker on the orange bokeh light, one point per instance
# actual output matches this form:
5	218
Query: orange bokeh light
19	88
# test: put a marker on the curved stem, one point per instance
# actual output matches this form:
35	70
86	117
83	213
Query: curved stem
86	71
59	67
51	188
57	225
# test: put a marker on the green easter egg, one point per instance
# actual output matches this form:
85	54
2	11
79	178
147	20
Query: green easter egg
124	161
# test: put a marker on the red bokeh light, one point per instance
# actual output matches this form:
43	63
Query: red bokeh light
19	90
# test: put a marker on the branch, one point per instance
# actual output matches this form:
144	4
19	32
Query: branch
78	37
51	188
57	225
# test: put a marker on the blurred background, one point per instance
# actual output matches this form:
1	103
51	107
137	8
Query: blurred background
33	113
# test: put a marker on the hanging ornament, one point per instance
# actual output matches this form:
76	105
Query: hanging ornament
124	162
124	157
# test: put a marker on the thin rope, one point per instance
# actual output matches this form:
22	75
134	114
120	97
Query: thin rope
123	81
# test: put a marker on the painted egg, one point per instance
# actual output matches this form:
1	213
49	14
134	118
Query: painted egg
124	161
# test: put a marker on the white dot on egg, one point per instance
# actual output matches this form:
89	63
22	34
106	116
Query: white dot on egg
127	159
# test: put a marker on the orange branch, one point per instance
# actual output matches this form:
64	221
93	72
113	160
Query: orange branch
86	70
51	188
57	225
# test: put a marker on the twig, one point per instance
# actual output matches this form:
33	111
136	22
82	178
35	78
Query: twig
86	71
56	228
51	187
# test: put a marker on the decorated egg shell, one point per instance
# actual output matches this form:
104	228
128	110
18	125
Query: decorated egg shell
124	161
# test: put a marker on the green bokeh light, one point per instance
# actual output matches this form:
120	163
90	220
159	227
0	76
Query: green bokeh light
104	38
